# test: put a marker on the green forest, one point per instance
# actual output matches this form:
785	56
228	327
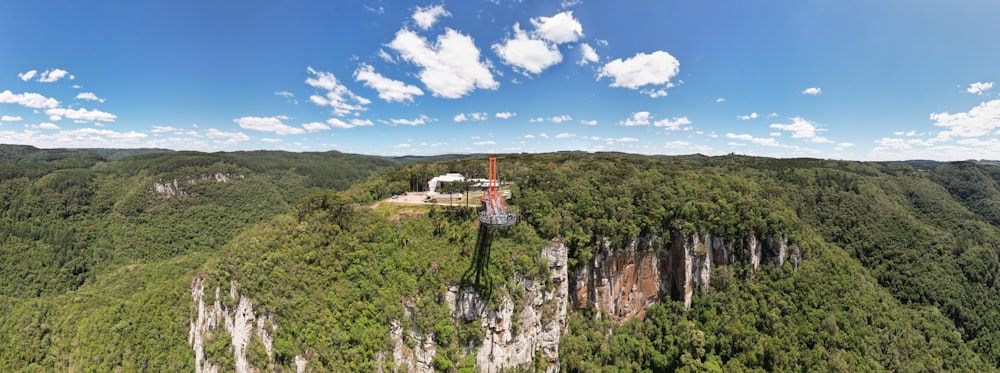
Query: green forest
99	248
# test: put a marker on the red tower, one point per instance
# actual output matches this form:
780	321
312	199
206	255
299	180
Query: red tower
494	211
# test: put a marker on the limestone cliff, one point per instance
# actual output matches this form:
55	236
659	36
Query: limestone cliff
515	332
241	324
623	281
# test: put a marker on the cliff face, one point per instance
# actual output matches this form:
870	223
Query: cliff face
241	324
623	282
513	338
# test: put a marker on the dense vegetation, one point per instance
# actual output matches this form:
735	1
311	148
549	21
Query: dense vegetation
899	271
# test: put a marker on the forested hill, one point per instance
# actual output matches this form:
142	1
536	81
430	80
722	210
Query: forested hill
98	256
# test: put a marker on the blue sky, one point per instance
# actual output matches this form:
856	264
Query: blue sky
842	79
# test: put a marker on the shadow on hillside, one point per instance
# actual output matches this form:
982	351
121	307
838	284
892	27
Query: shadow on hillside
476	274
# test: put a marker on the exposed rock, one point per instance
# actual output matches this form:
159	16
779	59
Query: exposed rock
238	323
416	359
753	245
795	257
540	323
777	249
172	188
621	282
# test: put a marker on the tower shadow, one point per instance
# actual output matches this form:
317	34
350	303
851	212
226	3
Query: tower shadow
476	275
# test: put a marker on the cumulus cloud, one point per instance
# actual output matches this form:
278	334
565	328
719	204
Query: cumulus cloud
978	88
29	99
315	126
561	118
89	96
226	137
802	129
674	124
419	121
462	117
80	115
427	16
750	116
640	118
338	96
587	54
506	115
450	68
335	122
813	91
388	89
589	122
9	118
84	133
51	76
536	120
267	124
27	75
525	52
978	121
565	135
843	146
720	99
642	70
487	142
560	28
48	126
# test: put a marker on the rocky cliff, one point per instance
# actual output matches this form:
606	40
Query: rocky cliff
623	281
241	324
517	331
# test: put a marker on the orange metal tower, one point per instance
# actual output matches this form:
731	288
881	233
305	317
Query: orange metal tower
494	212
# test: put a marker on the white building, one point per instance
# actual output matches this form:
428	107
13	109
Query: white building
435	183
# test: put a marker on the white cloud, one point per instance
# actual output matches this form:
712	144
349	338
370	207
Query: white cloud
802	129
528	53
843	146
720	99
536	120
655	93
674	124
450	68
89	96
163	129
587	54
677	144
529	136
589	122
51	76
335	122
565	135
560	28
743	137
315	126
90	132
228	137
426	17
31	100
543	135
80	115
488	142
27	75
775	134
813	91
267	124
640	118
622	140
979	121
388	89
386	56
284	94
772	115
10	118
48	126
462	117
561	118
337	95
423	119
750	116
506	115
270	140
892	143
979	87
642	70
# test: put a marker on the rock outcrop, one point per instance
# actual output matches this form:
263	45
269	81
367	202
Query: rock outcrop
517	331
623	281
241	324
172	188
